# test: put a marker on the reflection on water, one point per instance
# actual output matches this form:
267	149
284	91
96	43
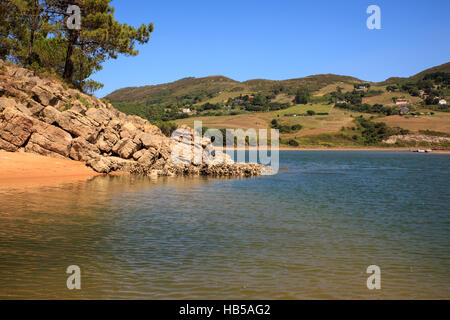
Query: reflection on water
309	232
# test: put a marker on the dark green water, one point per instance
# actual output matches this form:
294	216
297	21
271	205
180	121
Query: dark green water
309	232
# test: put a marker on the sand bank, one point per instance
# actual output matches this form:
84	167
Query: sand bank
18	168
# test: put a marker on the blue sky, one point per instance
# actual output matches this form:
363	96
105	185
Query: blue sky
279	40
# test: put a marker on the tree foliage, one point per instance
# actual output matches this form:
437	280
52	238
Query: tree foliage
302	96
34	33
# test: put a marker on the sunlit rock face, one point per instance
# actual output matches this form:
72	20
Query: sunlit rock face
40	116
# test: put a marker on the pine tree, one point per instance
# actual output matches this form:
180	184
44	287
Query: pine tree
101	37
34	33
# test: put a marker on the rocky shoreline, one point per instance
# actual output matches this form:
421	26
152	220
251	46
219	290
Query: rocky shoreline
41	116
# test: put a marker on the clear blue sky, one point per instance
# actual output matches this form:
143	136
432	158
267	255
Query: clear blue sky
279	40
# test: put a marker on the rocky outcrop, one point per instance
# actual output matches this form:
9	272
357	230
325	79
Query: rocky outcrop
416	138
40	116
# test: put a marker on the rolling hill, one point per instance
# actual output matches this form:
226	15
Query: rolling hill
207	87
220	102
215	85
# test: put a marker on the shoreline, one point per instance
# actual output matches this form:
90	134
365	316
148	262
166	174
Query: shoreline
338	149
28	169
19	169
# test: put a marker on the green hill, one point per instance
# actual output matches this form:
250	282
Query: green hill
196	90
202	89
441	68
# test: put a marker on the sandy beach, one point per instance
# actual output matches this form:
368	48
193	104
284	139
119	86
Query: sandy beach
26	169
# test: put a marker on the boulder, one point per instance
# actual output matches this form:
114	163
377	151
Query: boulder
43	96
81	150
49	140
101	165
50	115
125	148
138	154
15	127
20	107
149	140
78	107
20	73
5	145
147	157
32	147
34	107
107	139
73	122
99	115
128	130
7	102
109	164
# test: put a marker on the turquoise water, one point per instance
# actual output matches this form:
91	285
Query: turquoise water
309	232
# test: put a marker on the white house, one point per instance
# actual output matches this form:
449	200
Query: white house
187	110
443	102
401	102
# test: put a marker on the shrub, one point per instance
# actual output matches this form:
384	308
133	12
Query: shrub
167	128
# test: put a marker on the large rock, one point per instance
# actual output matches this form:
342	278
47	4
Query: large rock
5	145
149	140
147	157
72	122
35	107
7	102
20	73
109	164
125	148
15	127
81	150
43	96
107	139
36	148
101	115
49	140
128	130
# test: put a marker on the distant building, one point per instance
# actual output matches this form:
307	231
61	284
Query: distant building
443	102
187	110
421	93
401	102
362	87
403	111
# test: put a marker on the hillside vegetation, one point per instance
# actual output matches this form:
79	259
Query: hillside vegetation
316	111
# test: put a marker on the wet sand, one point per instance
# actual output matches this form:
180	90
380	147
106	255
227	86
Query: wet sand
26	169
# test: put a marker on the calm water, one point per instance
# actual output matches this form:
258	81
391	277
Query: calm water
309	232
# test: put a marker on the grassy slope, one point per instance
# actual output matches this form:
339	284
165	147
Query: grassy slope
216	84
317	130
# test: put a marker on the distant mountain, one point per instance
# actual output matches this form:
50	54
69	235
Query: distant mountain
201	89
441	68
213	85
